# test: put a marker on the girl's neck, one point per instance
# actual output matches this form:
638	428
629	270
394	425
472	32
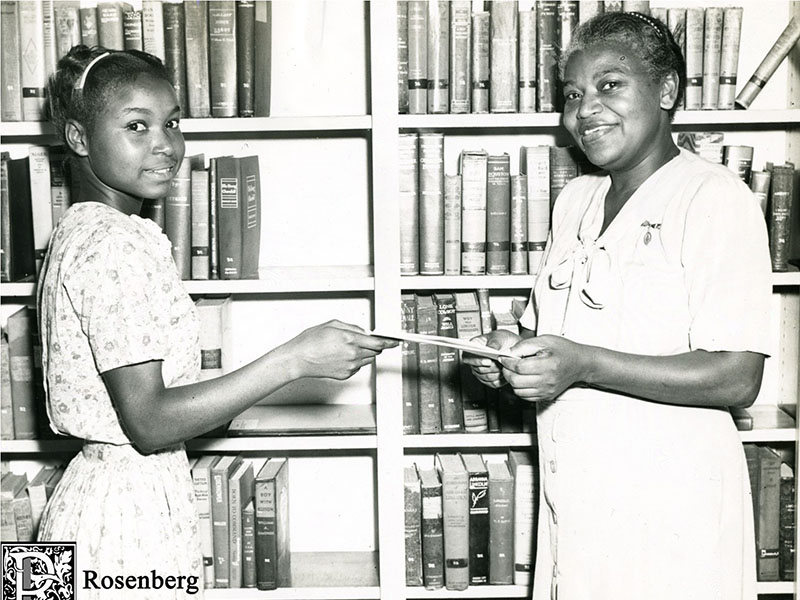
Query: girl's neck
94	190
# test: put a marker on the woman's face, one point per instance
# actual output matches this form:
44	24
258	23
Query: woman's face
612	106
136	145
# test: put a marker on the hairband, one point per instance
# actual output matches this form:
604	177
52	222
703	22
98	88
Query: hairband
649	21
82	81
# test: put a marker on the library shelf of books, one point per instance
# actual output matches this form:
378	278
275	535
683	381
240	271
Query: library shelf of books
330	247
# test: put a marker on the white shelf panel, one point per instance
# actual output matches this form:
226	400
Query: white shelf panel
769	435
461	282
775	587
278	443
467	440
789	278
40	446
475	591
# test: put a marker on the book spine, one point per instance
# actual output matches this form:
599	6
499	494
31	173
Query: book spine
478	528
430	414
779	51
408	176
23	517
739	159
33	75
527	60
503	71
712	44
220	528
10	73
787	526
452	410
473	396
780	216
409	367
42	214
6	269
245	57
175	49
263	58
21	260
729	56
213	221
201	478
563	169
413	527
250	192
6	406
234	534
695	27
481	45
768	515
67	26
248	546
438	56
759	185
474	169
60	193
455	525
89	35
200	225
676	21
266	535
535	165
452	224
402	56
519	224
229	217
547	76
417	57
524	523
432	536
132	30
498	215
501	531
566	22
153	28
109	25
222	57
178	219
460	42
431	200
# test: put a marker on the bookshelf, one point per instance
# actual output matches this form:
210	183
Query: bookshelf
372	278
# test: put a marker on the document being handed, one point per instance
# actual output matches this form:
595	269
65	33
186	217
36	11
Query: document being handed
449	342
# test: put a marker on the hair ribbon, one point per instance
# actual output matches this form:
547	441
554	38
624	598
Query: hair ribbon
82	81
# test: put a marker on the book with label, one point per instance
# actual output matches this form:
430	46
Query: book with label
88	16
729	56
10	66
132	30
430	414
408	322
222	58
201	215
501	523
273	558
431	203
249	544
41	212
229	216
196	45
473	167
110	31
250	174
408	176
695	28
412	504
498	215
452	224
245	57
473	392
503	69
201	479
438	56
417	57
153	27
480	76
402	57
452	411
547	75
479	522
178	217
526	490
455	520
240	492
19	328
221	473
460	42
519	225
175	49
214	317
432	533
527	60
712	45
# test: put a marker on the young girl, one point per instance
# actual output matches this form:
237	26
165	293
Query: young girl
119	334
649	319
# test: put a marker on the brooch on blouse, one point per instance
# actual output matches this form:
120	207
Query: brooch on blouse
648	229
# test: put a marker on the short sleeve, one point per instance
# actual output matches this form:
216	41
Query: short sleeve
725	255
122	309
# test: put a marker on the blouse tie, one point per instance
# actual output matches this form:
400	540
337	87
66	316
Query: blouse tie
586	271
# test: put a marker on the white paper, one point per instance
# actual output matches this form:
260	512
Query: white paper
449	342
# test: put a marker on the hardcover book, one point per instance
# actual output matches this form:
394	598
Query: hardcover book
452	224
430	414
41	212
519	225
729	56
438	56
263	58
526	492
412	503
417	57
527	60
214	316
431	203
221	473
473	166
460	59
110	31
408	323
432	532
222	58
473	392
695	28
455	520
33	71
501	523
498	214
153	28
132	30
201	480
250	174
547	32
534	163
402	56
10	66
245	56
249	544
178	217
481	44
201	242
20	212
780	215
229	216
408	176
175	49
503	70
452	411
712	45
19	327
88	16
479	523
273	556
240	492
196	45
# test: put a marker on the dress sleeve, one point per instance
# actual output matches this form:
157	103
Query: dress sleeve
725	255
118	297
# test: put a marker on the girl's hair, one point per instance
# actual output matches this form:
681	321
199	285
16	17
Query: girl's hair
81	96
647	36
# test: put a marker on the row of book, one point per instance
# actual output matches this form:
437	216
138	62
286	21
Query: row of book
22	501
470	521
243	513
462	57
217	53
212	215
440	394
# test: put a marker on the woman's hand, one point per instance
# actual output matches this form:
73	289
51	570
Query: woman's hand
547	366
333	349
486	370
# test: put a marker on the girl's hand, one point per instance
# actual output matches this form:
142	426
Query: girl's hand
486	370
547	366
333	349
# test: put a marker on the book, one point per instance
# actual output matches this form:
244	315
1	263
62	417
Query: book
213	221
417	57
263	58
402	56
460	56
759	185
473	396
155	210
250	174
432	529
304	419
431	203
49	38
527	60
526	489
10	485
518	261
214	316
200	210
133	30
19	328
487	318
408	176
729	56
178	211
675	19
6	406
787	524
41	212
245	57
498	214
201	480
221	473
567	20
452	224
222	58
240	492
641	6
20	506
695	28
273	558
430	413
196	46
249	544
563	168
478	484
547	75
10	65
712	45
455	520
589	9
21	256
534	163
412	505
766	68
473	167
33	76
768	514
5	219
409	368
438	56
739	159
480	62
503	69
780	215
60	184
37	495
501	523
452	411
110	32
175	49
153	28
229	216
706	144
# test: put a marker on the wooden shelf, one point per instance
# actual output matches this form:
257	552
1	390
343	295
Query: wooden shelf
475	591
769	435
468	440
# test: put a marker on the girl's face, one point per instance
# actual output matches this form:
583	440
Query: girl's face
612	108
136	145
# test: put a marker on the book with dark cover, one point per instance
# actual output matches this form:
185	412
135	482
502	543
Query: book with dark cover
229	216
787	524
22	257
250	174
402	56
412	504
153	27
498	214
547	75
527	60
201	480
132	30
110	32
563	168
460	59
438	56
213	221
5	220
473	166
262	80
89	35
479	523
452	410
455	520
408	176
473	392
249	544
200	224
178	218
155	210
196	45
10	66
501	524
780	215
417	57
408	322
240	492
221	473
526	493
567	13
19	328
222	57
245	56
60	184
431	203
768	515
503	70
432	532
430	414
273	558
452	224
175	50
